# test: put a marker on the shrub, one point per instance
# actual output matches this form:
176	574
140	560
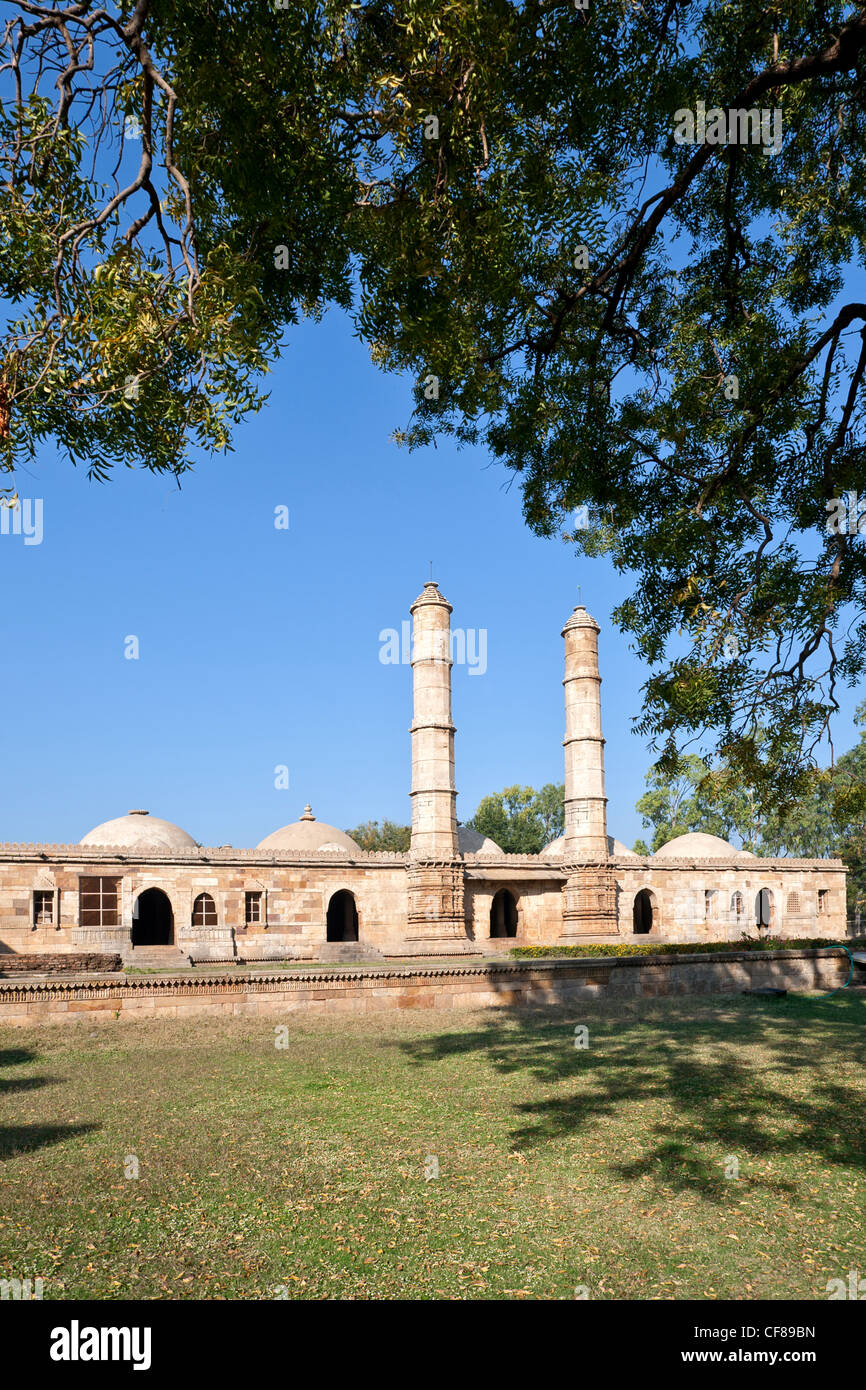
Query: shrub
681	948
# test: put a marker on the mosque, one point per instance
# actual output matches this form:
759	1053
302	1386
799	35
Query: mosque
142	887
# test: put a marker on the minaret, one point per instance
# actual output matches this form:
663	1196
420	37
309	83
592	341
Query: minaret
589	905
435	912
434	799
585	801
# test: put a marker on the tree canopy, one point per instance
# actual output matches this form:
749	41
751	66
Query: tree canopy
521	820
387	836
829	821
609	243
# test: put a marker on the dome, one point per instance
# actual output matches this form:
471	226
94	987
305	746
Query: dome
139	830
310	836
698	845
615	848
473	842
618	850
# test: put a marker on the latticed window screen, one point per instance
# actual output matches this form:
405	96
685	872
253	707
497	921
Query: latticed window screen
204	913
252	908
43	907
793	902
99	902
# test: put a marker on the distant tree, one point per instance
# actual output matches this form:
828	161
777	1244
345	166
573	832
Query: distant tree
521	820
673	804
828	820
849	813
388	836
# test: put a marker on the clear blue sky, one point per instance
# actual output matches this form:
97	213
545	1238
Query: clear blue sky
260	647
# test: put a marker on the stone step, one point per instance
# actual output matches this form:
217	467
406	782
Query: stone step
347	951
156	958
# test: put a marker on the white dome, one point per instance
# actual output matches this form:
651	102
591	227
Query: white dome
311	836
698	845
473	842
615	848
139	830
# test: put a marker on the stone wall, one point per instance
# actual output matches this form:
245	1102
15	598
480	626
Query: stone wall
56	963
681	911
433	988
457	895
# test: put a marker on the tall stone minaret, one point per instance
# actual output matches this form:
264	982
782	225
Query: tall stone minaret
434	798
585	801
590	893
435	908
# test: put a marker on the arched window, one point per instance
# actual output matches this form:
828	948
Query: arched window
342	917
503	914
642	913
204	913
764	908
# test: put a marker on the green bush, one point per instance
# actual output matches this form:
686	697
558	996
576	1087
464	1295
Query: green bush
680	948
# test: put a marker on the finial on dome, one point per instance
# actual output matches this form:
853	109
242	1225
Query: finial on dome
308	813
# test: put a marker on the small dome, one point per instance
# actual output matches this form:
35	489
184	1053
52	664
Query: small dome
698	845
139	830
473	842
615	848
311	836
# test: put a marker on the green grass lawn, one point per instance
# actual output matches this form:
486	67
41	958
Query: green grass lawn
304	1167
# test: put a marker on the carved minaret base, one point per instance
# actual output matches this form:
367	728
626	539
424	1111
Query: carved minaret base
436	906
588	903
435	873
589	895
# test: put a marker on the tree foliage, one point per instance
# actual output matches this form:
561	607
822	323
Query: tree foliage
387	836
829	821
495	192
521	820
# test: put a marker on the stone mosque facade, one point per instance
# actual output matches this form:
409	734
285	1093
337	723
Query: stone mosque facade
143	888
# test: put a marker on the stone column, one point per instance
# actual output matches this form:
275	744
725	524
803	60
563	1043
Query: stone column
589	895
435	871
585	801
434	798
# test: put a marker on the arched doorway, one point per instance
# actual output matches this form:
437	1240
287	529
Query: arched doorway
642	913
764	908
503	914
152	919
342	917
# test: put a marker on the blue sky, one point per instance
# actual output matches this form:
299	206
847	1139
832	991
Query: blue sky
260	647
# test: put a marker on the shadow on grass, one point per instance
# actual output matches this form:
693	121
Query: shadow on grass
11	1084
16	1056
22	1139
748	1105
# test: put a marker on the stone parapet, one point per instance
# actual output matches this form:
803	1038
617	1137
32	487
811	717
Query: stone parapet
500	984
